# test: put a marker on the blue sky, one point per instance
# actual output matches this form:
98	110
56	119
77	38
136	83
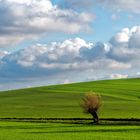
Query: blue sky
46	42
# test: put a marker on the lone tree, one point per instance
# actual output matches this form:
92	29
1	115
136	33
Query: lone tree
91	104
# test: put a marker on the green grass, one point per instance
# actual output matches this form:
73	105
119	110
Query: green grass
121	99
52	131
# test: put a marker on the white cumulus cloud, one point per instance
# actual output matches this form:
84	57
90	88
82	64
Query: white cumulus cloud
70	55
118	76
126	45
74	57
28	19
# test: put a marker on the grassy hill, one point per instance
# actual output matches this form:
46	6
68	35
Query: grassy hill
121	99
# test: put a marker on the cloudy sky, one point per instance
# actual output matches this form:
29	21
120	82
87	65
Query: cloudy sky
46	42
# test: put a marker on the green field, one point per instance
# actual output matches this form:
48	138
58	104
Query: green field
52	131
121	99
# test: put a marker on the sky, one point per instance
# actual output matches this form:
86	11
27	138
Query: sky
45	42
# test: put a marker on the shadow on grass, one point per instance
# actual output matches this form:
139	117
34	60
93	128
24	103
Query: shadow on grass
58	127
87	131
84	121
26	127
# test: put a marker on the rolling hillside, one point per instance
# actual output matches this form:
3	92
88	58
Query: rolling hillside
121	99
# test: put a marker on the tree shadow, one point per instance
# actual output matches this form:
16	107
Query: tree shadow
86	131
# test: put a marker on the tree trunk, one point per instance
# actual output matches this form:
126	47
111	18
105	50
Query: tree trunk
95	117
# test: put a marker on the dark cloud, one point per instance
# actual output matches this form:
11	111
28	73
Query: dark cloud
95	52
